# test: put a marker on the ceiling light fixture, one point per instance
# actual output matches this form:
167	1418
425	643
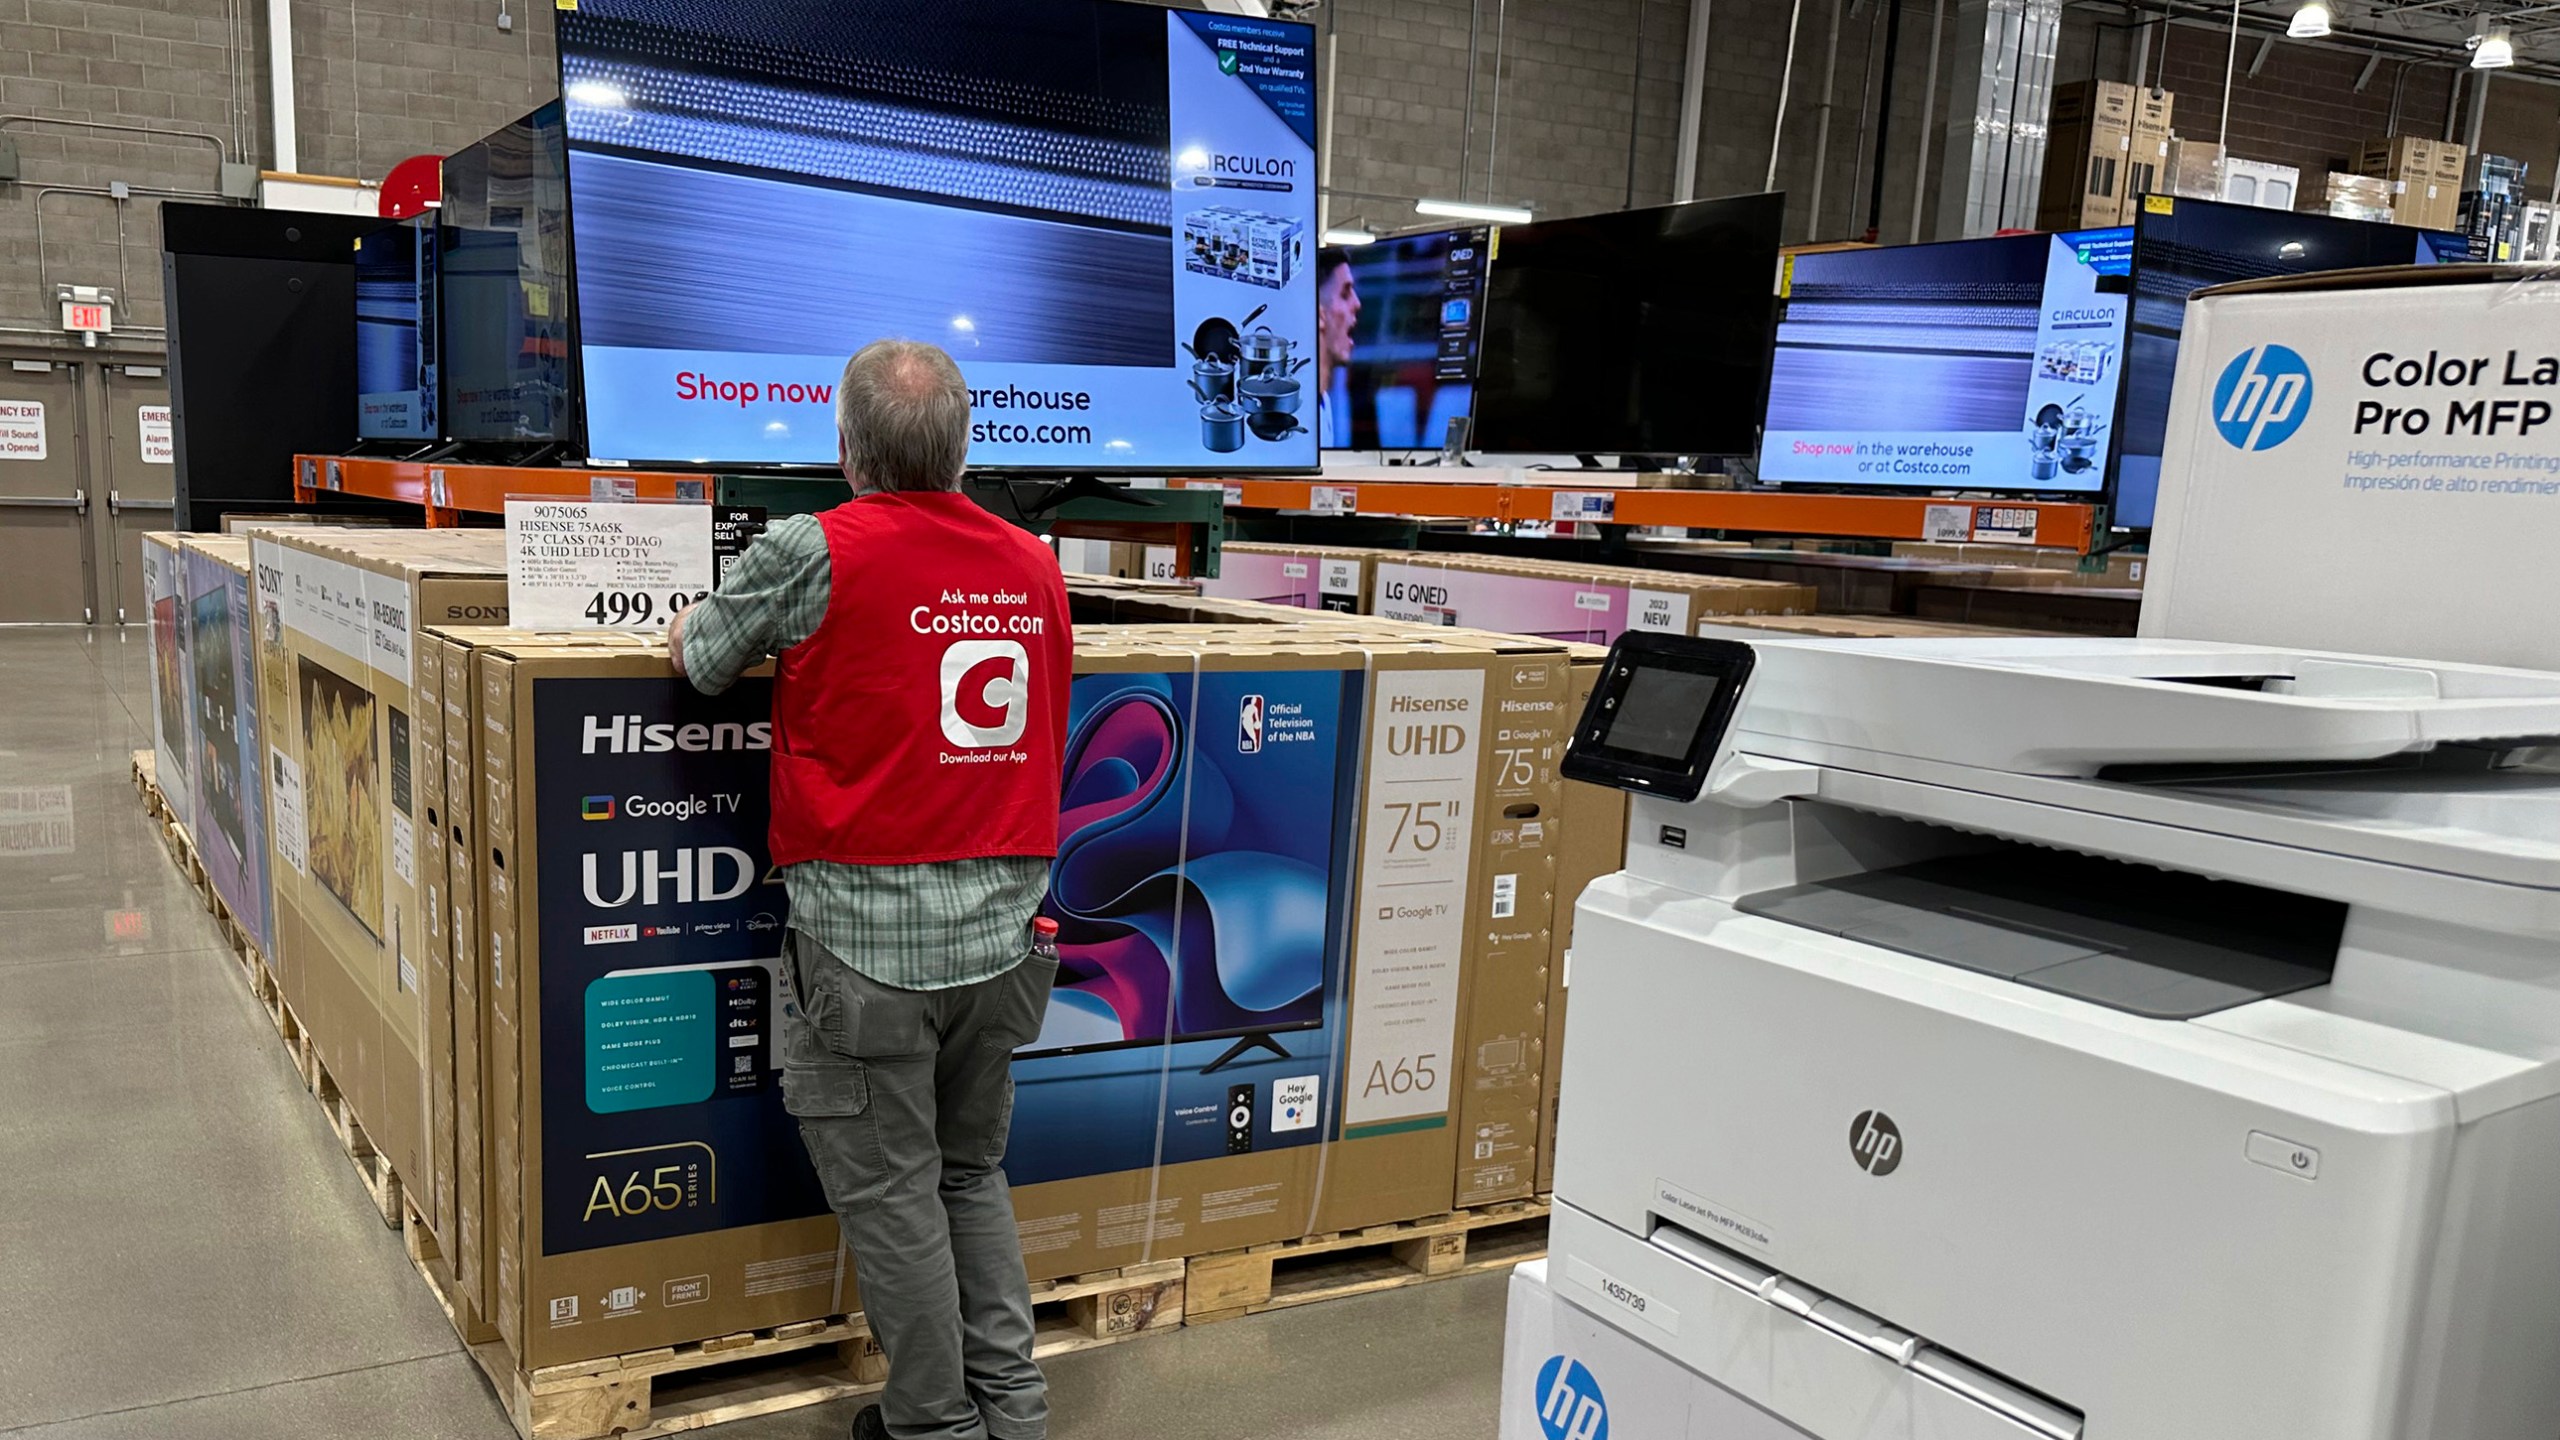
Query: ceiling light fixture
1469	210
2497	50
2310	22
1341	235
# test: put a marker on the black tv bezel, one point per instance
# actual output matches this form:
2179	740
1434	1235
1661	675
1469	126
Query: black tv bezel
1757	404
2104	493
572	431
714	465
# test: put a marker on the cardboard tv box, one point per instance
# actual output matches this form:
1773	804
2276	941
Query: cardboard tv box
1593	843
644	1185
162	585
226	731
2408	417
1309	577
1591	604
339	685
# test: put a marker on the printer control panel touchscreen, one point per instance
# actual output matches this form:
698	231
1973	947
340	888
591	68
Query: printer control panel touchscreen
1658	717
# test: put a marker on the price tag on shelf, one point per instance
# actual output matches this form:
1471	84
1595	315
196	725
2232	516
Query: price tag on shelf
1333	499
1600	506
1947	524
604	564
1235	495
2012	524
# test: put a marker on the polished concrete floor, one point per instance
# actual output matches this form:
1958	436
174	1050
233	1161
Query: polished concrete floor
184	1252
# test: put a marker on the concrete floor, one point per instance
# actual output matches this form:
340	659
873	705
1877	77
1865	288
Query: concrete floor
184	1251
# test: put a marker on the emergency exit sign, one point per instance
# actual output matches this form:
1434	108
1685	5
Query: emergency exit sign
87	315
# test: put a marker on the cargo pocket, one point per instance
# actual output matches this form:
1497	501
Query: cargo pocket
832	1089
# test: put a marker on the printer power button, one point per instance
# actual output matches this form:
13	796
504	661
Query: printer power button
2278	1153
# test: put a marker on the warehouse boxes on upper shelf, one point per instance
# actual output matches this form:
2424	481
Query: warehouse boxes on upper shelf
1304	869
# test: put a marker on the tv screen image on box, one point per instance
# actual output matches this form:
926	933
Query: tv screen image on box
1975	364
396	332
1642	332
1196	894
505	312
2181	246
1104	211
1396	326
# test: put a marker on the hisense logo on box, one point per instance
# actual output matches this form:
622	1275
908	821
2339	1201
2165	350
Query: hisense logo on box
631	735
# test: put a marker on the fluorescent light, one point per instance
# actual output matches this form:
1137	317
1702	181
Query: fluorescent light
1340	236
1490	214
2497	50
596	92
1192	157
2310	22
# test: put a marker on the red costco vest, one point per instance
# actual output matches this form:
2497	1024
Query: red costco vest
924	719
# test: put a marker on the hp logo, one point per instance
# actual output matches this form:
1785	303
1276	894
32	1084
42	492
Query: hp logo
2262	397
1569	1403
1875	1143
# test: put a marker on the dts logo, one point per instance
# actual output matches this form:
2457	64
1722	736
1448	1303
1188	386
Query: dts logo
2262	397
1569	1403
986	693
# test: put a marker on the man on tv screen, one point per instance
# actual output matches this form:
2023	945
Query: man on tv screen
919	713
1337	310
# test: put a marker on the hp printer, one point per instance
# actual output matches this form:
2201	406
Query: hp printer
2138	1040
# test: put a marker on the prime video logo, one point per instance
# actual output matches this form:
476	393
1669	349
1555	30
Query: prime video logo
2262	397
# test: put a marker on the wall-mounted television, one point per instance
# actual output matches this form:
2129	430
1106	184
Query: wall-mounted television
1987	364
1396	327
2181	246
506	312
1640	332
396	332
1105	211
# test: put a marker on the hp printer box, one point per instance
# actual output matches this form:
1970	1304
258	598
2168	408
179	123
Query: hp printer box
2409	418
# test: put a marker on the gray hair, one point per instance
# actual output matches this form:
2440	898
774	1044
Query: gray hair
902	411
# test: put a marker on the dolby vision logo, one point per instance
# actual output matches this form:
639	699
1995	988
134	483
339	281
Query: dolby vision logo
2262	397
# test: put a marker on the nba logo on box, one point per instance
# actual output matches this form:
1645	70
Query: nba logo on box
2262	397
1249	725
1569	1403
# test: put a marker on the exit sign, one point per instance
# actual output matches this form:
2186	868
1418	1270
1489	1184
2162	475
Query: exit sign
84	315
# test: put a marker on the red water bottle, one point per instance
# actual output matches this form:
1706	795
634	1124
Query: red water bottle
1044	939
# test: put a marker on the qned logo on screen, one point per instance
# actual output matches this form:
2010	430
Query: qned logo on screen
2262	397
1569	1403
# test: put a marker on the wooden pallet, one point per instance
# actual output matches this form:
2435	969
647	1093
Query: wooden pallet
373	1169
1360	1262
678	1388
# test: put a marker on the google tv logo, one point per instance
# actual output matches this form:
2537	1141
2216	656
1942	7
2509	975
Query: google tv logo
2262	398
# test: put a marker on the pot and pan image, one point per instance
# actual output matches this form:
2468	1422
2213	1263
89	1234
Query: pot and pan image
1245	381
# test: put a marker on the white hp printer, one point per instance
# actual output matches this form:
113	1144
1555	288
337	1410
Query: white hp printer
2139	1040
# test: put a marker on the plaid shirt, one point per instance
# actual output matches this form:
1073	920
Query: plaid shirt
914	927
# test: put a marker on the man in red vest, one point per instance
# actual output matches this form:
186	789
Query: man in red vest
919	708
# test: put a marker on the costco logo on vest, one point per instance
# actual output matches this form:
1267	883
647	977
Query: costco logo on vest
986	693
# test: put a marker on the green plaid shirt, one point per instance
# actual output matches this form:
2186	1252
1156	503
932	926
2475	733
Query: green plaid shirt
915	927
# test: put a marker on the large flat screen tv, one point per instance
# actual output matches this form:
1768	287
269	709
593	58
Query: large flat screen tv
1104	211
506	312
1643	332
2180	247
1396	326
396	332
1971	365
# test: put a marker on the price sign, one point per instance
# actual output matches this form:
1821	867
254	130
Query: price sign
605	564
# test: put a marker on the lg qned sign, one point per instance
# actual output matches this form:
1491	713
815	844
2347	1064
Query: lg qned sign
2182	246
1976	365
1643	332
1396	325
1104	211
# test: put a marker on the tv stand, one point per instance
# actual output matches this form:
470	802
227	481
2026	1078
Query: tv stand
1245	1045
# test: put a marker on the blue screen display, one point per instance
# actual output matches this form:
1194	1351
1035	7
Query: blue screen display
1977	365
2196	243
1084	202
396	332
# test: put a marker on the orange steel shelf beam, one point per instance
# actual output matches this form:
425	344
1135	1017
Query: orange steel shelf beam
447	492
1880	517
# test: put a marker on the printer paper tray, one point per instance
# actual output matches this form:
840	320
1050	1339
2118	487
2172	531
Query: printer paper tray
1815	1363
